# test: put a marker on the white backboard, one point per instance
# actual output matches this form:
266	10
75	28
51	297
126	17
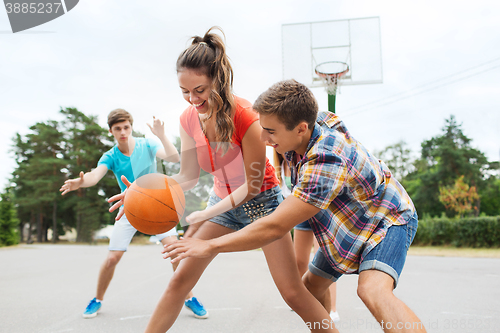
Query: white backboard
353	41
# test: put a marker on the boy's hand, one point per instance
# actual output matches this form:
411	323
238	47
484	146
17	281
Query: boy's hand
188	247
72	184
158	127
120	198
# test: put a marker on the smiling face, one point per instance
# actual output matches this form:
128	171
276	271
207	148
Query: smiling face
275	134
195	87
121	131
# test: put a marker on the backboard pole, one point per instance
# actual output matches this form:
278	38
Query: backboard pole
331	103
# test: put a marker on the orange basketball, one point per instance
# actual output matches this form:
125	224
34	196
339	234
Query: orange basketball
154	203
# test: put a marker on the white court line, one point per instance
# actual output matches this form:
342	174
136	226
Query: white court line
465	314
145	316
135	317
67	330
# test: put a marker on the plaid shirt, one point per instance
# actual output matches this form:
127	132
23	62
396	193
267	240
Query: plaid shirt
358	198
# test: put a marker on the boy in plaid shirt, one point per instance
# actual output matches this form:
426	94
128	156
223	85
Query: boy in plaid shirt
362	217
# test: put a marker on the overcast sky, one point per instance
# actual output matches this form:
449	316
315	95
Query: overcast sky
439	58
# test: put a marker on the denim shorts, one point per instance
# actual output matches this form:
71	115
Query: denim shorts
388	256
123	232
305	226
261	205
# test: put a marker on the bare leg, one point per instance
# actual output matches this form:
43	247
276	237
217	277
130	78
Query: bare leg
375	288
106	272
170	240
318	286
182	282
282	264
302	244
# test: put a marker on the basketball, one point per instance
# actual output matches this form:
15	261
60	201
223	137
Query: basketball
154	204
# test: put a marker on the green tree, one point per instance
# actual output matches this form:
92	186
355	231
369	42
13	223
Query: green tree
443	159
22	190
50	153
8	221
398	158
84	143
490	197
38	174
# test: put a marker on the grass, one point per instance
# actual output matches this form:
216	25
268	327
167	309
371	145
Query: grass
450	251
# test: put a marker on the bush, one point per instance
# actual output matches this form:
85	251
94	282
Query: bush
465	232
8	221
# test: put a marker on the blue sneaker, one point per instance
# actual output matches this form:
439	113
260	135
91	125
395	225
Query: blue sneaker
92	308
194	305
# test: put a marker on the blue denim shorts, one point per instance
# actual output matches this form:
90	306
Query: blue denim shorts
261	205
388	256
305	226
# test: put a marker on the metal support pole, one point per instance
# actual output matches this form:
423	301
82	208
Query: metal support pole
331	103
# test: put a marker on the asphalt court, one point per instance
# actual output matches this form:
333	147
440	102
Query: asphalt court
45	288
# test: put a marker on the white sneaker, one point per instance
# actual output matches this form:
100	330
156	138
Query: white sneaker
335	316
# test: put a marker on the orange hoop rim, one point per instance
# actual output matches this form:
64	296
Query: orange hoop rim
327	75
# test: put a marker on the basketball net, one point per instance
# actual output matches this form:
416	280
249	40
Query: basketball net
330	72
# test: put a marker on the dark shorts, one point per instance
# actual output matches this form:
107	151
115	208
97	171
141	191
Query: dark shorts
388	256
306	226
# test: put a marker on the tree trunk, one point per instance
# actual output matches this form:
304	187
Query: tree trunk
39	226
78	227
55	234
21	234
31	223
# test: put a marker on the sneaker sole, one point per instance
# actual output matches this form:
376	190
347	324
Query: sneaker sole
88	316
205	316
92	315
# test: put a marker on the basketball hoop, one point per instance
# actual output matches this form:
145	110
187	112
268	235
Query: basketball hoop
330	72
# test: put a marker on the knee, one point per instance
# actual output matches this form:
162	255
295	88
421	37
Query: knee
180	282
311	286
293	298
369	293
113	259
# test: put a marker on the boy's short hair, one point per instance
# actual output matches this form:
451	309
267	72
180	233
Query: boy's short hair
291	101
119	115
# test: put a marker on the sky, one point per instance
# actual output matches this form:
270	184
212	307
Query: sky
439	58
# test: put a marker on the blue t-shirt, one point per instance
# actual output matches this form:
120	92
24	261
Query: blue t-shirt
141	162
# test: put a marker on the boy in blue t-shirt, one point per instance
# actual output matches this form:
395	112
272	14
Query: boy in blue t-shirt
132	158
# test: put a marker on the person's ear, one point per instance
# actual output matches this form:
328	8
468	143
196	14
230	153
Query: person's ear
302	128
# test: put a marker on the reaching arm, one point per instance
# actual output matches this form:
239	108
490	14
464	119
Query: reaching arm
88	179
254	159
289	213
189	173
168	152
186	178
